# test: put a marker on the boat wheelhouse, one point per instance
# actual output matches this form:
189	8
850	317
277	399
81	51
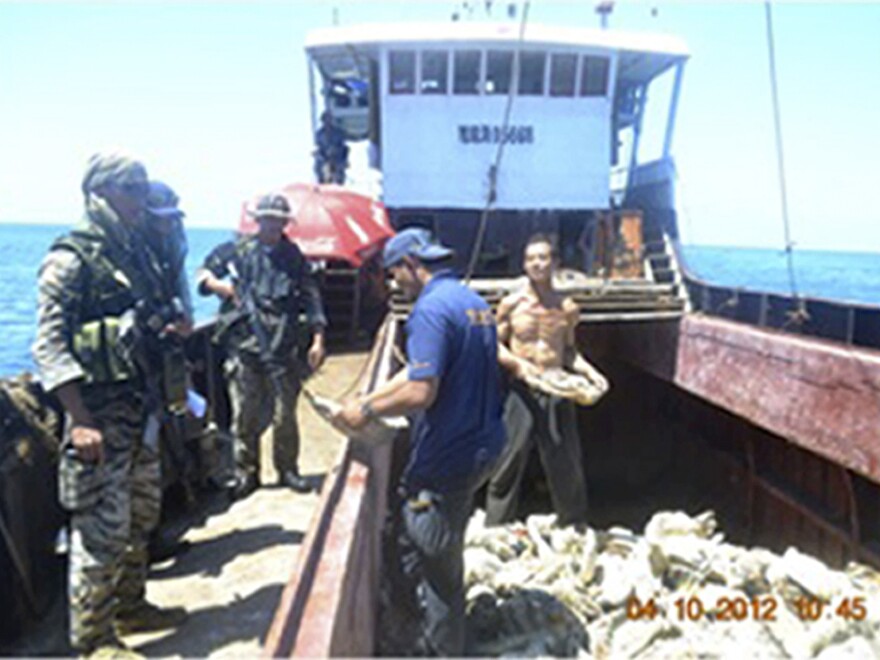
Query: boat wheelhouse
544	128
716	402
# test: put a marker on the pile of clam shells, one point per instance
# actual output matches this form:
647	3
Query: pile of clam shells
676	590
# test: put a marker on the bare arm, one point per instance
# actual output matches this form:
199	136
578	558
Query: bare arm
388	387
410	397
85	436
502	321
399	396
516	365
314	308
573	360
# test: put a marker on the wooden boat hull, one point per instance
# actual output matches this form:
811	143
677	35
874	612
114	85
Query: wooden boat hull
766	427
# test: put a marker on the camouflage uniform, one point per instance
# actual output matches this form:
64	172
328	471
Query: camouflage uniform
166	249
83	293
265	388
166	238
114	506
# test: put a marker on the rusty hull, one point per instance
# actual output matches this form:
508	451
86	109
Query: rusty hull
780	425
819	395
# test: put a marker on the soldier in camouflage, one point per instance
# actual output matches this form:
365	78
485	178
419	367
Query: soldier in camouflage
270	284
167	247
167	239
93	287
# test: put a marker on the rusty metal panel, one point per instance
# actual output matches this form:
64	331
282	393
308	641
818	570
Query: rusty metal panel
812	483
820	396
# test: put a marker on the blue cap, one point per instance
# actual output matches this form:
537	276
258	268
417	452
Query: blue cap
413	242
162	201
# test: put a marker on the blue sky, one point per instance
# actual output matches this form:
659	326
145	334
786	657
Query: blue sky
212	96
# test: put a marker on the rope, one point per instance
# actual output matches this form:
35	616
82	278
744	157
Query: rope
789	244
382	333
493	169
731	302
797	316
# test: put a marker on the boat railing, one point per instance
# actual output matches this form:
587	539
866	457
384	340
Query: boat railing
850	323
329	606
633	276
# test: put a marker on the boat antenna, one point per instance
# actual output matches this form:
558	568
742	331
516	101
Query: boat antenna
492	193
789	243
604	9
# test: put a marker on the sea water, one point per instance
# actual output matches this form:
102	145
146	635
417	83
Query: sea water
850	276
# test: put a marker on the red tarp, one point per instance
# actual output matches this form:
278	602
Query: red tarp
332	222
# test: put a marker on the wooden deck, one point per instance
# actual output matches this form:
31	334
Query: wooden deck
599	300
241	556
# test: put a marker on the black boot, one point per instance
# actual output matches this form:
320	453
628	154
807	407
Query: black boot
242	485
293	479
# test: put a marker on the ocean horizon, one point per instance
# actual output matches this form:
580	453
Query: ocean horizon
834	275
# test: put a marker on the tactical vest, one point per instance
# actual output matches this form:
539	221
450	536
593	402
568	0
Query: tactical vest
273	279
111	286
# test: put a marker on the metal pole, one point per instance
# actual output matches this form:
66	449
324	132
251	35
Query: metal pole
673	110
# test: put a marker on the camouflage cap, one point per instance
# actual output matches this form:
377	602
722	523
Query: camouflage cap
114	167
272	206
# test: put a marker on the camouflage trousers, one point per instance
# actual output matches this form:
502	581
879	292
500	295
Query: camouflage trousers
257	402
114	505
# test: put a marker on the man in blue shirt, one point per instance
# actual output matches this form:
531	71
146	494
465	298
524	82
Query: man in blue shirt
452	387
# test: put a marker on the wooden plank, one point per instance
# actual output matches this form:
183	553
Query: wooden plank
595	284
607	306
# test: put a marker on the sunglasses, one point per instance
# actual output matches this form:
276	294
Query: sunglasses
134	188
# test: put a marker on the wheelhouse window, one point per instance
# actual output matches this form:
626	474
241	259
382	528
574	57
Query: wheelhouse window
402	72
466	72
562	74
531	73
594	76
499	71
435	66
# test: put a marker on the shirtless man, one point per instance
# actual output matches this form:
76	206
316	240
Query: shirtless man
536	331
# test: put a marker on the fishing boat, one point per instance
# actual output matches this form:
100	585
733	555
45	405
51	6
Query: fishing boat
760	406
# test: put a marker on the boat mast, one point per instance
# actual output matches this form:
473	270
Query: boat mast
789	244
604	9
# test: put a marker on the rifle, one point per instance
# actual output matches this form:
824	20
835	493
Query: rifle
274	366
166	387
143	343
